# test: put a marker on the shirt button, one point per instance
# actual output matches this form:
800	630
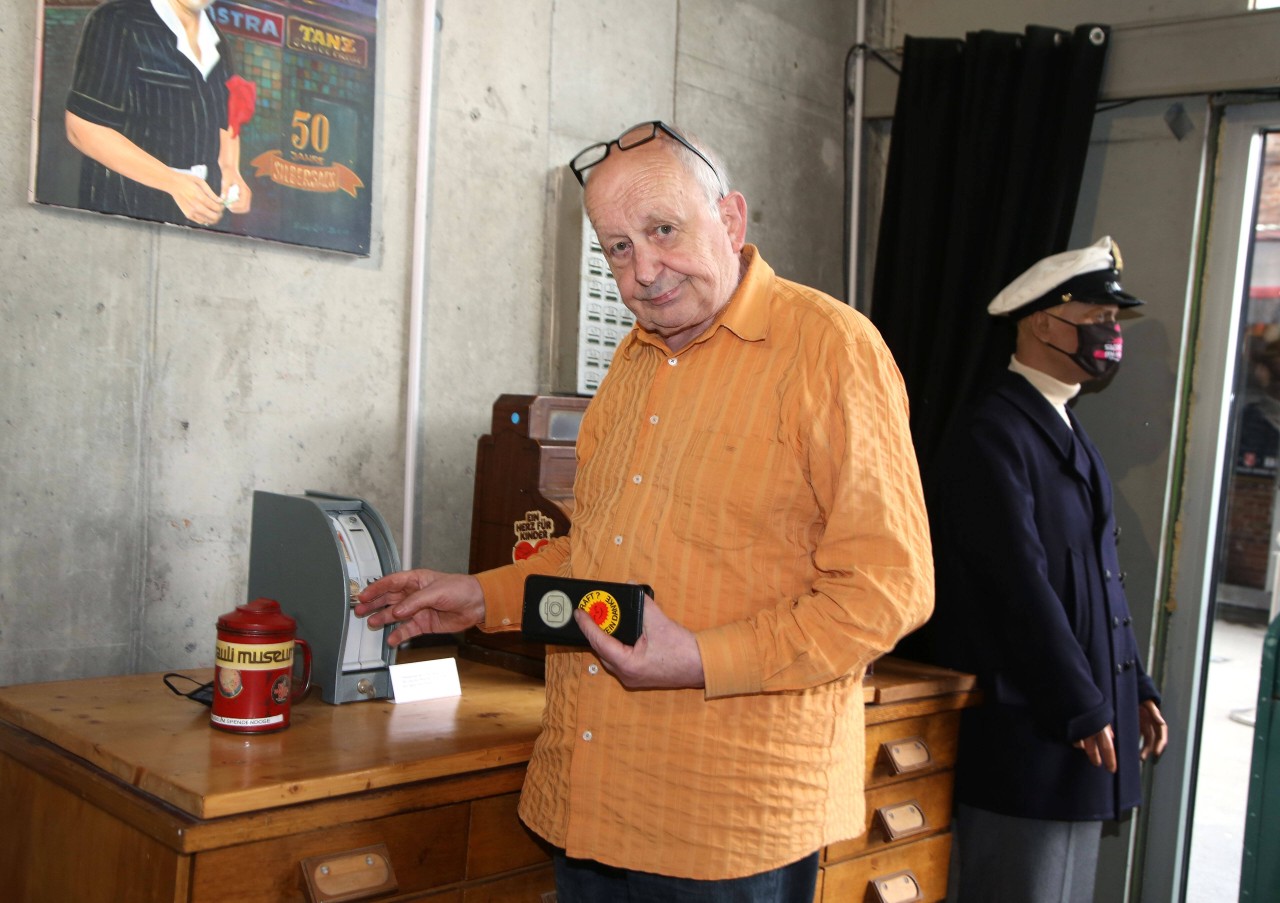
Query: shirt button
637	479
617	540
593	669
653	418
671	361
586	735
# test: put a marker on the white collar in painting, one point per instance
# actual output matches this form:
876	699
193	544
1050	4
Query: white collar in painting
207	38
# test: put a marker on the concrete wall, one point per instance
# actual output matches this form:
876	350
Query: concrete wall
151	378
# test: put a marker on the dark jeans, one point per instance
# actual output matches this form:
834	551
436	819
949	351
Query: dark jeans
588	881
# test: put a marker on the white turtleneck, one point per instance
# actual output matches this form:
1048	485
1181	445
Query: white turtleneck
1055	392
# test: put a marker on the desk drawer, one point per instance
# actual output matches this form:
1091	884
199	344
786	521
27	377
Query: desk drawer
900	813
454	845
925	862
937	732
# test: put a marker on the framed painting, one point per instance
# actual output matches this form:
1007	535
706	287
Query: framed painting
252	118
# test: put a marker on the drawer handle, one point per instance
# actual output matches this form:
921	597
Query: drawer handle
350	875
908	754
902	820
900	887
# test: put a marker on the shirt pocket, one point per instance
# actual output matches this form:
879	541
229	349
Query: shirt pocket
163	102
166	78
724	493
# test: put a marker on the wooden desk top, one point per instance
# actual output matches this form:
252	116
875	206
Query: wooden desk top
900	680
137	730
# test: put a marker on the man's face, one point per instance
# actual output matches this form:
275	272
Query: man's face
1061	333
1075	313
674	255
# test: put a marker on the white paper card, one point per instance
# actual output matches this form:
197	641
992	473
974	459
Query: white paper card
432	679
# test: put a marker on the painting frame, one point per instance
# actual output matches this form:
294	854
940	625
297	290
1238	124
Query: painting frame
252	118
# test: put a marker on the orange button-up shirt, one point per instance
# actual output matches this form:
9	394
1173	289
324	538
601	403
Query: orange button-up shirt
763	482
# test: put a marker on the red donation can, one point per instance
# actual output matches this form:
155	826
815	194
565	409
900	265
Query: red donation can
253	684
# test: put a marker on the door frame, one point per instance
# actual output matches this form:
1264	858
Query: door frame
1215	307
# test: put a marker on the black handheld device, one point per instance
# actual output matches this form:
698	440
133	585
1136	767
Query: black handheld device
549	603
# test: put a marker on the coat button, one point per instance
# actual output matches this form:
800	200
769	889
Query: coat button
1119	668
1115	621
1106	575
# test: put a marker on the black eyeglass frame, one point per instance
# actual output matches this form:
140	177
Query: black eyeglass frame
655	126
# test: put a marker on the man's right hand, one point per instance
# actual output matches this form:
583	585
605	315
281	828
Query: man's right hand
422	601
196	199
1100	748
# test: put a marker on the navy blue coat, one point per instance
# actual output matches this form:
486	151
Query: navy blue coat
1030	599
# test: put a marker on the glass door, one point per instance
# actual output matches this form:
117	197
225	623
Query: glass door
1243	597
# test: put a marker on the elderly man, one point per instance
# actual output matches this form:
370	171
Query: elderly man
747	457
1030	598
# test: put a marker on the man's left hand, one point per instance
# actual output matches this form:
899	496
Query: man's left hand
1155	733
665	657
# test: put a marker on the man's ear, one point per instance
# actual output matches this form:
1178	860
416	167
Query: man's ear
733	213
1038	324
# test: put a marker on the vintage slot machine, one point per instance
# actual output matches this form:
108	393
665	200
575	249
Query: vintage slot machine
523	498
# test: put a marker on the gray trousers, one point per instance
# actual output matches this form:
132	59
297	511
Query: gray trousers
1005	859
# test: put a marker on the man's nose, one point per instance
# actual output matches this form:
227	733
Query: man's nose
647	265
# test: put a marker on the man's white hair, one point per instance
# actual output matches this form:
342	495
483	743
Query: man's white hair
714	184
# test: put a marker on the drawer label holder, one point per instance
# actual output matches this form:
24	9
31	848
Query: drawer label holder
900	887
350	875
907	755
902	820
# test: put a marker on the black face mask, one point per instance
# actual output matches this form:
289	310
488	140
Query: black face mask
1098	347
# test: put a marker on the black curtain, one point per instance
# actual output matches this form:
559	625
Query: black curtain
986	154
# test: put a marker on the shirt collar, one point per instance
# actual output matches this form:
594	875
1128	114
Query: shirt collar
207	37
747	313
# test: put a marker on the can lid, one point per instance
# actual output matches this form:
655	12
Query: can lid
262	615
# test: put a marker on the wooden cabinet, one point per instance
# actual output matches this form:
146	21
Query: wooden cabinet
913	723
116	789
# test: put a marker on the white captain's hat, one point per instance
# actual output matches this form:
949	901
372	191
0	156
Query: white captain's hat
1090	275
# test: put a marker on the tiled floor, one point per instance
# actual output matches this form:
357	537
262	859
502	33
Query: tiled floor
1217	833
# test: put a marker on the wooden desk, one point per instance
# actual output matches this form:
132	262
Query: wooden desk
118	790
